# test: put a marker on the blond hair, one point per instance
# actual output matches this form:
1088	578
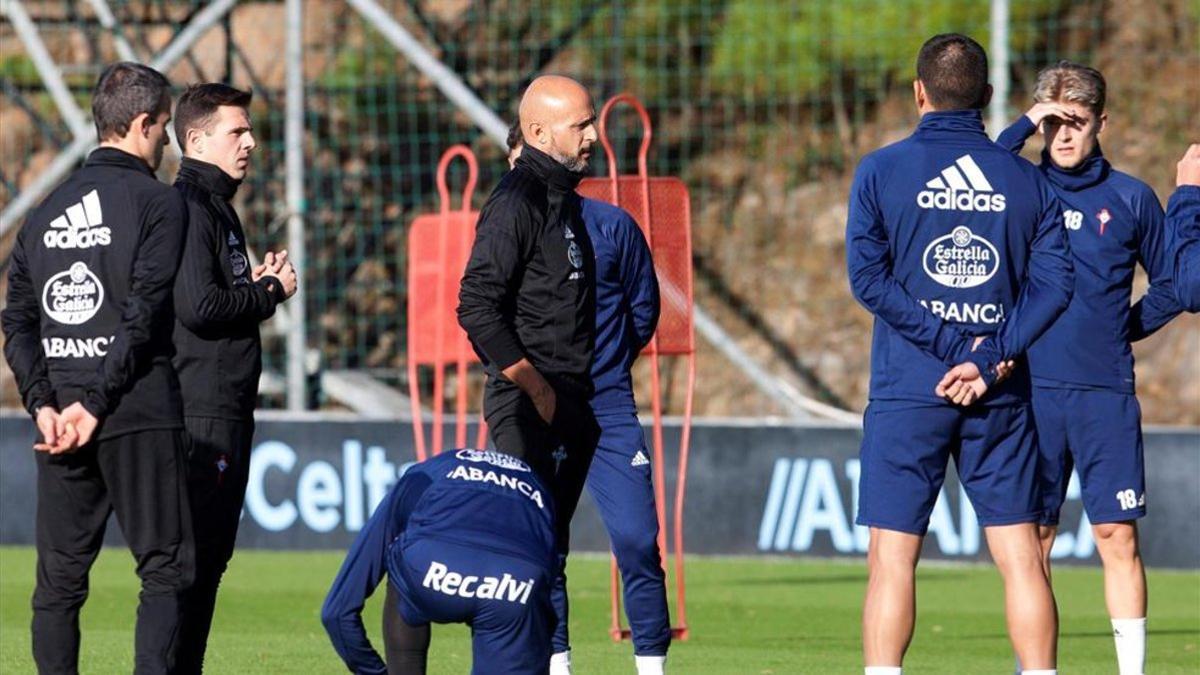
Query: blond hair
1067	82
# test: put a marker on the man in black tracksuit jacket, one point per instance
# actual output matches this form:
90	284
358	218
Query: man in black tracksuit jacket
88	333
219	303
527	299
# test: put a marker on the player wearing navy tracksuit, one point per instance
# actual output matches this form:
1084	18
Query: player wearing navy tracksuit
464	537
627	308
936	278
1183	218
1082	367
1084	405
950	238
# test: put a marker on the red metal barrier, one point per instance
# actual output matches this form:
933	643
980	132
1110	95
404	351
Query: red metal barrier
438	247
662	208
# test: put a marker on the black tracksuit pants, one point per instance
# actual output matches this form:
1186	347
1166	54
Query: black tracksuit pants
217	471
141	477
560	452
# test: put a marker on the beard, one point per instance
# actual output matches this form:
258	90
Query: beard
574	164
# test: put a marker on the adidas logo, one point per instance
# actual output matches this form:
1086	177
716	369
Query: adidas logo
639	459
80	226
961	187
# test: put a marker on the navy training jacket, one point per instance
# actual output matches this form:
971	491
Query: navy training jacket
1113	222
949	237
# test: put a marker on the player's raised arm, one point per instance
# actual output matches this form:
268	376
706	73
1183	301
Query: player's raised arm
1183	220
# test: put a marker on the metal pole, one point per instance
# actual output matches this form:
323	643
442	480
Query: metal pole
784	394
47	69
294	160
442	77
66	160
998	109
109	21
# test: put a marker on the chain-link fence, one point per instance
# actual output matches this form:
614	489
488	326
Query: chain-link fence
762	107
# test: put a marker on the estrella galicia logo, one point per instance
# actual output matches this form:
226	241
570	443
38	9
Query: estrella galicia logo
74	296
961	259
238	264
574	256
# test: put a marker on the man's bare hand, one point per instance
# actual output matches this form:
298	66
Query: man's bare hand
257	272
277	265
1041	111
287	277
529	380
58	436
962	385
271	264
83	422
1187	171
1004	370
546	403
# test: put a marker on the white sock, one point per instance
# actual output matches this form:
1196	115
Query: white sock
1052	671
883	670
560	663
1130	638
649	665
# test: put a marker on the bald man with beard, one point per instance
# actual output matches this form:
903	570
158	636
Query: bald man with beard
527	301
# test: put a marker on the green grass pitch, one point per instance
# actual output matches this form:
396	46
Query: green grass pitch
748	616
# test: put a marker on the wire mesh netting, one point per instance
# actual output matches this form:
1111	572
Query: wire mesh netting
761	107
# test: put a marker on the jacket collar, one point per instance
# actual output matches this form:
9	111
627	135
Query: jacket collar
944	123
548	169
108	156
209	177
1093	170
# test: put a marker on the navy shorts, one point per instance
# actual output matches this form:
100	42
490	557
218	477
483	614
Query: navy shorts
1098	433
906	447
504	598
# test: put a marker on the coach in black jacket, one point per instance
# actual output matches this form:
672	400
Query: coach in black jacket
527	300
219	303
88	327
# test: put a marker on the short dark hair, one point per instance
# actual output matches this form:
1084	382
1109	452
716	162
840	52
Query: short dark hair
199	103
954	70
516	137
124	91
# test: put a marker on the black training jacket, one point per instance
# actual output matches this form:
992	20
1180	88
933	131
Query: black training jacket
89	296
218	351
528	290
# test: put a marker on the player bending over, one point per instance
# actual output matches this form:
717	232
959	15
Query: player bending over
464	537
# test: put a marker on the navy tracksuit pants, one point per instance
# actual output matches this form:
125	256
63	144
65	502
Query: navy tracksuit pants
620	483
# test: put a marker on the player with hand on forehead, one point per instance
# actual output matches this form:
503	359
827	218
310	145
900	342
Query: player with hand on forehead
1084	405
